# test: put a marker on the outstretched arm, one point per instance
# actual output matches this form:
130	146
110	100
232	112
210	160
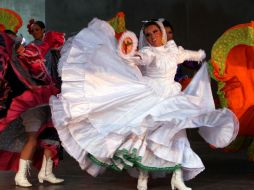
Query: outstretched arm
189	55
52	40
143	57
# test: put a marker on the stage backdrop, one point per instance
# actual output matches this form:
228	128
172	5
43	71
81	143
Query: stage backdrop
197	23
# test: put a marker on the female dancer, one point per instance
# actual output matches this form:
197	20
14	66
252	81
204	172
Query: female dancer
25	115
38	30
109	115
180	77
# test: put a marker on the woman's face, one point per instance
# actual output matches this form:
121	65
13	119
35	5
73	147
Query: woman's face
37	32
169	33
153	35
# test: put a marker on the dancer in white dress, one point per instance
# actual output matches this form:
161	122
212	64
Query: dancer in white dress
109	115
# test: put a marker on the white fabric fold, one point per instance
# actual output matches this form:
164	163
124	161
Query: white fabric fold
107	106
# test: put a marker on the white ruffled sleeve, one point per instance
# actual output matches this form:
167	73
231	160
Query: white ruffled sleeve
189	55
144	57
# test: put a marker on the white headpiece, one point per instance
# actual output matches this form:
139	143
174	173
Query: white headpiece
142	39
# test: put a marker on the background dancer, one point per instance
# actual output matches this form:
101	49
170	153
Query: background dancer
25	115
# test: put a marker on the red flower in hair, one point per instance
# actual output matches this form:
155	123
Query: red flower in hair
29	26
120	14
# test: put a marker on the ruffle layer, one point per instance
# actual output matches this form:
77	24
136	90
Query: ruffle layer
156	146
12	132
28	100
107	115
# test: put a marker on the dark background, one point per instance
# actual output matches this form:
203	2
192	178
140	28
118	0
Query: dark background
197	23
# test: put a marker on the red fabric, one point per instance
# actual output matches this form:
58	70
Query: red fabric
51	40
38	156
239	81
184	82
2	27
9	160
239	86
33	57
33	61
5	88
29	99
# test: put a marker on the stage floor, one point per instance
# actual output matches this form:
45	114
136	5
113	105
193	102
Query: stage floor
224	171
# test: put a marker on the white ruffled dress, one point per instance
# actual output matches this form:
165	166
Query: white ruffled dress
110	115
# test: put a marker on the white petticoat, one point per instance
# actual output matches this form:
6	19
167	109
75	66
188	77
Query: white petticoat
109	115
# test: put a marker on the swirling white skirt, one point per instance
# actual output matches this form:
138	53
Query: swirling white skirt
109	116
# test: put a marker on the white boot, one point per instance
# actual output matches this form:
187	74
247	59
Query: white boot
177	181
142	180
46	172
21	175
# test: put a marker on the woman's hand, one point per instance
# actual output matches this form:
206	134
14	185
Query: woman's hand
20	50
138	55
202	54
